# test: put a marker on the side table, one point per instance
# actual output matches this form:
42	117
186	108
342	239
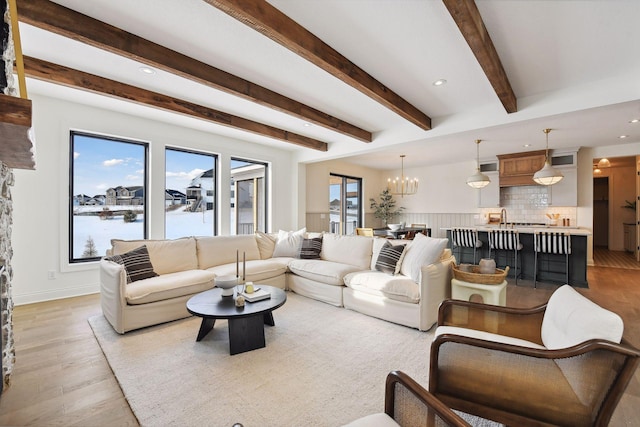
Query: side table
491	294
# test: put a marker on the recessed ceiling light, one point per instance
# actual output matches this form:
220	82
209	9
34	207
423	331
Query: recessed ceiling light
147	70
307	124
623	136
527	145
439	82
634	121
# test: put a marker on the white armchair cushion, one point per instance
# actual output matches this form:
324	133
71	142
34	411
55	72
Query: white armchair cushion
486	336
571	319
421	251
374	420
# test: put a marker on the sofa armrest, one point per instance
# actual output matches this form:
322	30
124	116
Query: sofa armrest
435	287
519	323
113	280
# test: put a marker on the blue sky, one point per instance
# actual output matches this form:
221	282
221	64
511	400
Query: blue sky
101	163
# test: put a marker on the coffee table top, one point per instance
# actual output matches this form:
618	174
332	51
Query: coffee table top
211	304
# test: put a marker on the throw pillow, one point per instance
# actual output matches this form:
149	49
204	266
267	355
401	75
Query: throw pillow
310	248
288	243
136	263
389	258
266	244
421	251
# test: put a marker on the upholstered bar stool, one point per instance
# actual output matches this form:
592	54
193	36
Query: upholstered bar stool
551	242
465	238
506	240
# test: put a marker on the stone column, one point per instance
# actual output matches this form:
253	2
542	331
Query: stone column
6	252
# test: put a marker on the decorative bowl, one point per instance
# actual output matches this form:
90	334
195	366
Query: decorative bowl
226	283
394	227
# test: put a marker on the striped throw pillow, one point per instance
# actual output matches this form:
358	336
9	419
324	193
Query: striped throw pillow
136	263
389	258
310	248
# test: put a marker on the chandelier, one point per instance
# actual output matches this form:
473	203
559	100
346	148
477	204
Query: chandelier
478	180
548	175
402	185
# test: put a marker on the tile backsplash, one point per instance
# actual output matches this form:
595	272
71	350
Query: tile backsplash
530	204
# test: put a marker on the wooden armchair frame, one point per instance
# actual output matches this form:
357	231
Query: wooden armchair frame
410	404
525	386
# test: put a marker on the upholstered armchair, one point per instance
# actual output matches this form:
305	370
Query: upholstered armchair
408	404
563	363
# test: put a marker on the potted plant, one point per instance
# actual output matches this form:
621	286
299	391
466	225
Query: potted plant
385	209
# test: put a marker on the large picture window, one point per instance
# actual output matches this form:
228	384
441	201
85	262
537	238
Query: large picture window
108	194
190	193
248	196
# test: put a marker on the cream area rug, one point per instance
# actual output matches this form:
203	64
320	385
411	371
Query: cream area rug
322	366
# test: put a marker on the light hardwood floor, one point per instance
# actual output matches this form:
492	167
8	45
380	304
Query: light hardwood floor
62	378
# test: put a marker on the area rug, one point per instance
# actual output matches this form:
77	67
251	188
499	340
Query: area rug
322	366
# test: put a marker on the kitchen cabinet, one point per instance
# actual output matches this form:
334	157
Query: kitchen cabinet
518	168
565	192
489	196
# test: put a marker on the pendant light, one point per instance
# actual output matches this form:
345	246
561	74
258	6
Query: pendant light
548	175
402	185
478	179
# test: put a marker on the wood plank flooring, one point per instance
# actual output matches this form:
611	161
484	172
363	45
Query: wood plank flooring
62	378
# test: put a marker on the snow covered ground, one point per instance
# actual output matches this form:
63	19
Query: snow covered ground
178	224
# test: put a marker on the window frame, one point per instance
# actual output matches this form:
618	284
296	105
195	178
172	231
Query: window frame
145	184
343	201
233	200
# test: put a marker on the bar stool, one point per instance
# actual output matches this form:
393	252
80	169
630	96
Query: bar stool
506	240
551	242
465	238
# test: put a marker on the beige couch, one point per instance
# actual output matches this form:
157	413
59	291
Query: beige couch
343	276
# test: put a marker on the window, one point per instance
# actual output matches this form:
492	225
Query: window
248	196
190	193
345	204
108	200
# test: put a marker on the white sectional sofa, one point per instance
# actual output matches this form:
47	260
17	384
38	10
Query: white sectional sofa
343	275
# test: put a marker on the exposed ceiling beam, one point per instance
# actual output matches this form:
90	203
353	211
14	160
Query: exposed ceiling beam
466	15
60	20
54	73
266	19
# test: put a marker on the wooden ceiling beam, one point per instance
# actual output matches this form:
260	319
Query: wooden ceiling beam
266	19
466	15
60	20
58	74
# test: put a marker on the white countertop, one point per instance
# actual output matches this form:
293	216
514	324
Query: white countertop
577	231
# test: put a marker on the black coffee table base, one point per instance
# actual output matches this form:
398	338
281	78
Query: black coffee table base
245	333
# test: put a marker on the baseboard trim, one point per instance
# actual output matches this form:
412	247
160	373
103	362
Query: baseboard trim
55	294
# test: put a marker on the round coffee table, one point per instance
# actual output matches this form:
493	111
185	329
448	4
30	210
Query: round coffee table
246	324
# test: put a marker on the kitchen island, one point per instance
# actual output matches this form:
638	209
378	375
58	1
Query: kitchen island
551	267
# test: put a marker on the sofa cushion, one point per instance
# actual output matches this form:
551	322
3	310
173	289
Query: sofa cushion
310	248
390	258
399	288
170	285
570	319
220	250
331	273
421	251
255	270
353	250
288	243
374	420
167	256
266	244
137	264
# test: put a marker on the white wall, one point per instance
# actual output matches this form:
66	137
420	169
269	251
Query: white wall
40	197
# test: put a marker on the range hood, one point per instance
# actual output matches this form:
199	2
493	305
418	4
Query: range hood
517	169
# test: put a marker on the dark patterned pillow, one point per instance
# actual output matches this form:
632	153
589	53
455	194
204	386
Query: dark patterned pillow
389	258
310	248
136	263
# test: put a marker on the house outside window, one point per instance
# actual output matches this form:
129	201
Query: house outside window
108	178
191	182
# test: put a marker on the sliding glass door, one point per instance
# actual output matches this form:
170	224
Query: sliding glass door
345	204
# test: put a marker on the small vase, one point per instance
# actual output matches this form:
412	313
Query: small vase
487	266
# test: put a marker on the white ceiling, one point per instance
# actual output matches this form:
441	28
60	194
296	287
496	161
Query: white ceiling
573	65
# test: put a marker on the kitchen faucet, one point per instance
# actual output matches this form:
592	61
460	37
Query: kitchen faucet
503	217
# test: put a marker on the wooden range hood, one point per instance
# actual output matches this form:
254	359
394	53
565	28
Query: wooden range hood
517	169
